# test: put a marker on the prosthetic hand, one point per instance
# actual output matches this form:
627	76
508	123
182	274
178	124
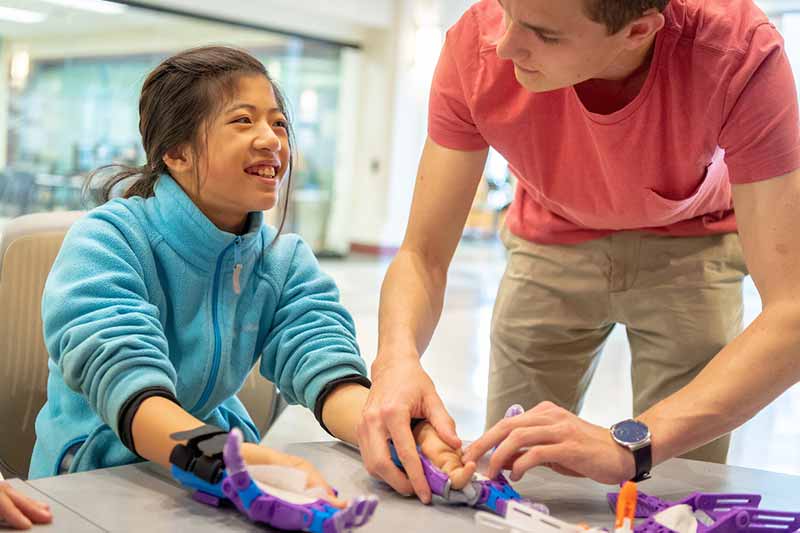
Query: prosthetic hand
211	464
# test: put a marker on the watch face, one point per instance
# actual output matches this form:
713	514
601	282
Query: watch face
631	432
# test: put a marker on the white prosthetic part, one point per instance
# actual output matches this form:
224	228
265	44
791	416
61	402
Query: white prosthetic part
521	518
678	518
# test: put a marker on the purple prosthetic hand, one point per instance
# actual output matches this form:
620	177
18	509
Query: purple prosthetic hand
229	478
711	504
481	492
718	513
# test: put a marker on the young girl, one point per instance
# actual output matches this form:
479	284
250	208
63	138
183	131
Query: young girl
161	302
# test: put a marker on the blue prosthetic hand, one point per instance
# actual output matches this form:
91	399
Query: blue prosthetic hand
212	465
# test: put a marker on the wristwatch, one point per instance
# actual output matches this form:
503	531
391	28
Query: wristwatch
635	436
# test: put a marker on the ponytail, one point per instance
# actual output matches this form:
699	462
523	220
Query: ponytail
143	186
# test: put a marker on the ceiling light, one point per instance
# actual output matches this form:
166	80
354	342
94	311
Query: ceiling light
98	6
20	68
21	15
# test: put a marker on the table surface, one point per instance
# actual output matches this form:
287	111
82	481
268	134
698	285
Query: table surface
144	497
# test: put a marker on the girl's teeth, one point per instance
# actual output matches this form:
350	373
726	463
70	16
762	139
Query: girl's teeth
266	172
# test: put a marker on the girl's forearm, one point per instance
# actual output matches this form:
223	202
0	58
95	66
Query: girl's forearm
156	419
342	411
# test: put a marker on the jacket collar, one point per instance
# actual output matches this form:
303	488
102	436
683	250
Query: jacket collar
190	233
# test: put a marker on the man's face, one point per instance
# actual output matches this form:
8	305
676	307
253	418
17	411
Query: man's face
553	43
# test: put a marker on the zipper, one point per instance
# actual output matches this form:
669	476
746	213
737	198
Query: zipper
212	378
237	264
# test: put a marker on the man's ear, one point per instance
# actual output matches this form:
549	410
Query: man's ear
179	160
639	31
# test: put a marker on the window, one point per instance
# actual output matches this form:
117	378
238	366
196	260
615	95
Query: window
69	88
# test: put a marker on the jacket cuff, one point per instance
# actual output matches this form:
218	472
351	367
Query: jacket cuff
131	407
329	387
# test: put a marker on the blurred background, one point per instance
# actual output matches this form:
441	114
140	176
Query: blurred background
357	74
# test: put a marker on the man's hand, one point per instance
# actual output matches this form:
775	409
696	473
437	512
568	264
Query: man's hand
550	436
20	512
447	459
401	390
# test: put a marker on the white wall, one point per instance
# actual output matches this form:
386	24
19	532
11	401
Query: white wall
348	20
394	119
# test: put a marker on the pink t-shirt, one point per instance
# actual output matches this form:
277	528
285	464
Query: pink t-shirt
718	106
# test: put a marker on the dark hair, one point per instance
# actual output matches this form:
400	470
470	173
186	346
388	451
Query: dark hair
615	14
178	100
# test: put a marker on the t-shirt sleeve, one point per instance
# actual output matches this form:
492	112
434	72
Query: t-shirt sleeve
761	132
450	120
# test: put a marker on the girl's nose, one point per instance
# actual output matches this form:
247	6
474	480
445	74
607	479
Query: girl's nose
267	140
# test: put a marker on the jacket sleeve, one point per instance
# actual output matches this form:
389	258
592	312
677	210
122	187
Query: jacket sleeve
312	339
101	331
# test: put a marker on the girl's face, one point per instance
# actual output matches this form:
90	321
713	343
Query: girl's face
247	157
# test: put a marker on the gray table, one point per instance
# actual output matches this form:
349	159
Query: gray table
144	498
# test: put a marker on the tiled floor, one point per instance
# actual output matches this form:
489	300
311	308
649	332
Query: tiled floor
458	359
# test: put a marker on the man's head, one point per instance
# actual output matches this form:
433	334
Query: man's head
556	44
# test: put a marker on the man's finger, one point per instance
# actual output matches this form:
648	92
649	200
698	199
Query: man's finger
544	407
564	471
442	422
500	431
10	513
377	459
510	461
543	455
517	439
399	426
487	441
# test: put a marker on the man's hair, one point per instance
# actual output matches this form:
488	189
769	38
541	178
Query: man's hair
615	14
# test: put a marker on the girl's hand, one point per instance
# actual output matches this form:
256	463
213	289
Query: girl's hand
261	455
444	457
20	512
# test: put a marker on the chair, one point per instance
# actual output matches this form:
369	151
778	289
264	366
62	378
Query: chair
28	247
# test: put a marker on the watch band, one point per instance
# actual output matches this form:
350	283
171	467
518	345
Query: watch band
643	458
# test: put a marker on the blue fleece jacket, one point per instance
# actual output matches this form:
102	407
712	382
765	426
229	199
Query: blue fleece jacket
142	295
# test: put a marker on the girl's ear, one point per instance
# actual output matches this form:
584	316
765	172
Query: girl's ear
179	160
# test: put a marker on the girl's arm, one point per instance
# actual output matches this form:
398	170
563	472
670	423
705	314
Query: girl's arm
311	344
157	418
342	411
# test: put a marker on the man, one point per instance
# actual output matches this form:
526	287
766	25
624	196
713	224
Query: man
633	127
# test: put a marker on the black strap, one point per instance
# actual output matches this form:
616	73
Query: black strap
202	453
130	408
643	457
206	440
328	388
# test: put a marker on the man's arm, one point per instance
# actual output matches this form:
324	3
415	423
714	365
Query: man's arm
764	360
745	376
411	303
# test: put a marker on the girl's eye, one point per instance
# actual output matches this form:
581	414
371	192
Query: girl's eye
281	124
242	120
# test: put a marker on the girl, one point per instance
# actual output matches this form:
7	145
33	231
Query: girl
162	301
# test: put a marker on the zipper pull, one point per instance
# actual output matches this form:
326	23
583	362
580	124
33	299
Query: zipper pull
237	265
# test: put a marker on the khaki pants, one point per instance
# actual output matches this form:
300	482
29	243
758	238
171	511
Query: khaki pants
680	299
